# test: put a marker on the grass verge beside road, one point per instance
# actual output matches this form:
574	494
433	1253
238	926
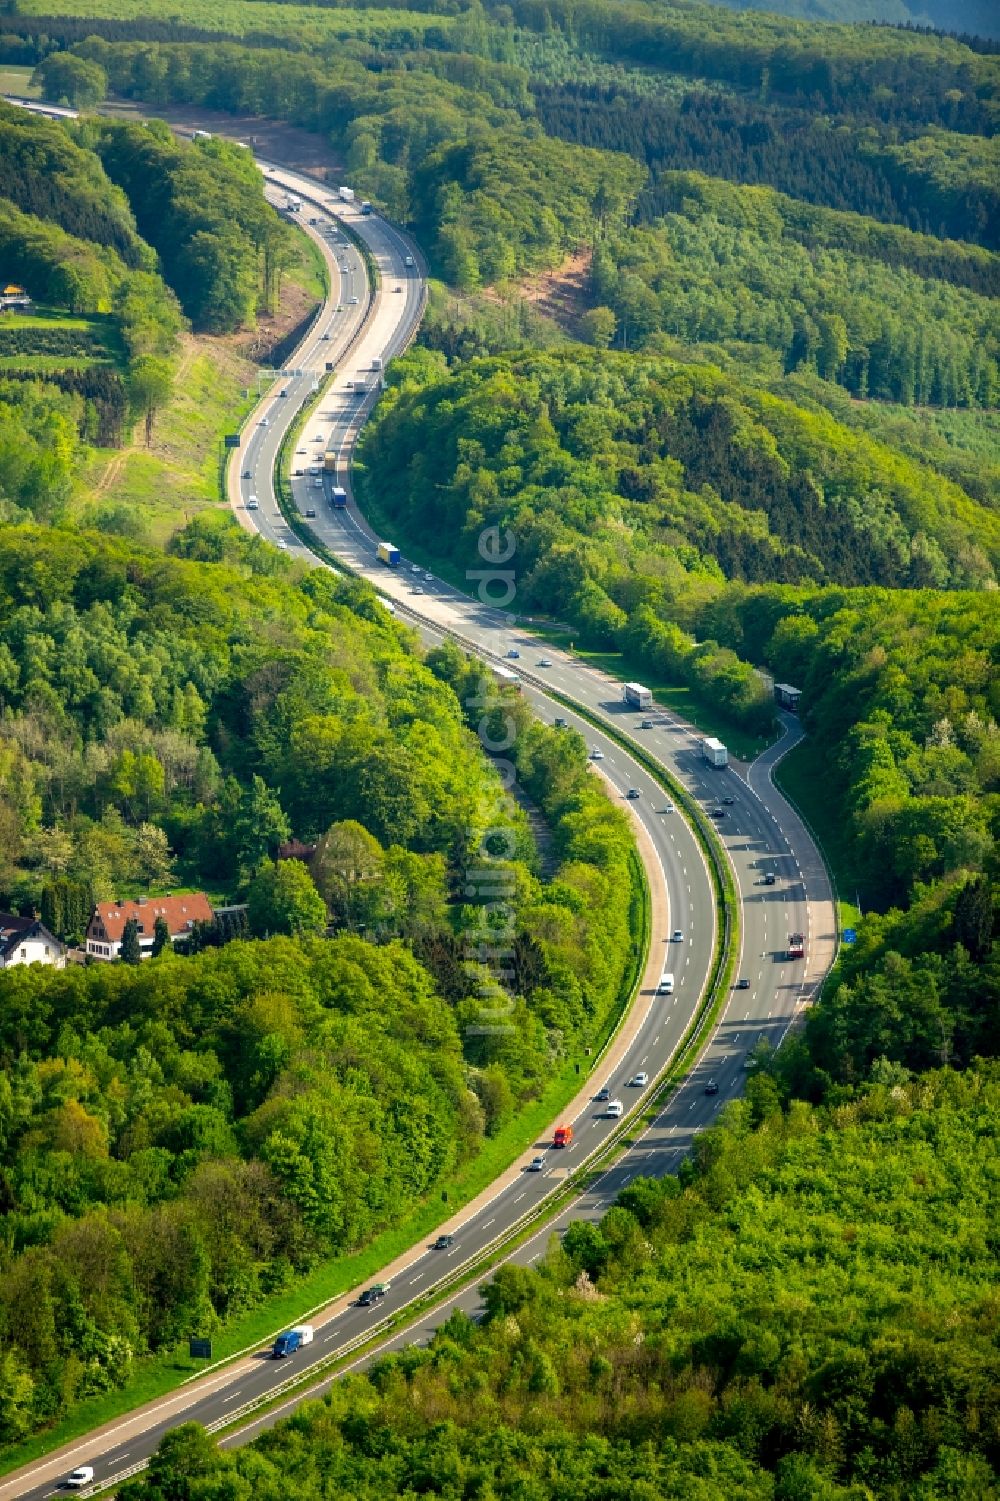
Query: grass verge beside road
803	777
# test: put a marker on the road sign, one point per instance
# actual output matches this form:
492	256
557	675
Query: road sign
850	935
200	1349
232	440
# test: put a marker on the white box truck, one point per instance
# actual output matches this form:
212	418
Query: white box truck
714	752
346	195
638	696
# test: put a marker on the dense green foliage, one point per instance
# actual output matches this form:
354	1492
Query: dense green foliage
612	468
182	1137
811	1313
201	206
742	267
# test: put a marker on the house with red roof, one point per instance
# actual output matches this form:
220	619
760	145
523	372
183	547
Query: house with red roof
108	919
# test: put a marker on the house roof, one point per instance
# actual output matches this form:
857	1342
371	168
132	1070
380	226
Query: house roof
15	930
180	912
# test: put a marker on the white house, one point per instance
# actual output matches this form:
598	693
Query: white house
23	940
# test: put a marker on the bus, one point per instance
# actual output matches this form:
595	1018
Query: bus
338	498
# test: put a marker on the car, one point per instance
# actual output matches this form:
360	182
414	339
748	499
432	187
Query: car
283	544
247	474
262	422
604	1093
414	569
613	1109
559	722
639	1080
345	268
282	393
417	589
536	1165
409	260
711	1087
544	662
743	984
668	806
429	576
252	503
677	936
314	221
513	655
443	1243
317	484
301	450
596	755
647	724
81	1476
353	301
326	336
310	512
718	812
297	473
349	384
750	1062
632	794
770	878
729	801
397	289
373	1295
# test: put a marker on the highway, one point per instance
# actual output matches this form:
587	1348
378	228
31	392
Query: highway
352	333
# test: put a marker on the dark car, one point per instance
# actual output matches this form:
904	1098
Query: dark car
443	1243
770	878
729	801
742	984
560	724
247	474
282	393
632	794
718	812
310	512
711	1087
373	1295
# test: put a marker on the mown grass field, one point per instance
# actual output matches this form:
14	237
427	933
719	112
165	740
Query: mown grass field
14	80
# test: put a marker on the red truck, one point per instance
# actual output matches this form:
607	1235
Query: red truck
796	945
563	1136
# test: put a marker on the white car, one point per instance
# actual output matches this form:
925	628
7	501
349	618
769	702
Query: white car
353	301
544	662
81	1476
639	1080
596	755
613	1109
536	1165
414	568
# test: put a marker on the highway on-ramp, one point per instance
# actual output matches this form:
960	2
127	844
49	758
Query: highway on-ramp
358	330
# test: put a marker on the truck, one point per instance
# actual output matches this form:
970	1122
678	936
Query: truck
330	461
338	498
787	696
506	680
293	204
638	696
714	752
796	945
292	1340
346	195
563	1136
388	554
366	207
